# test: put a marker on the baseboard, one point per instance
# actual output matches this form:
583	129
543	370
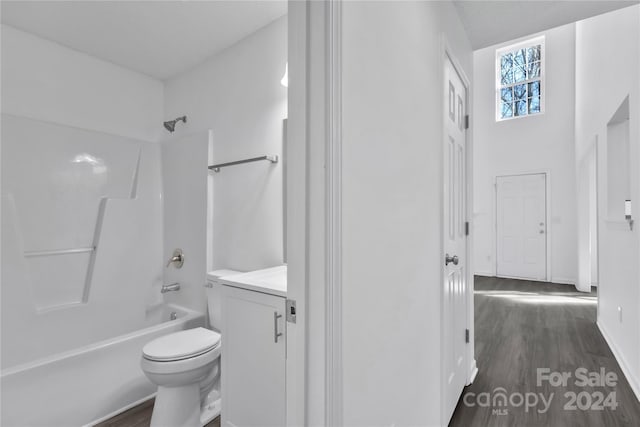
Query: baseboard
556	280
624	366
119	411
484	274
563	281
474	372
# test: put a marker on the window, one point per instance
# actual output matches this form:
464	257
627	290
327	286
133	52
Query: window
520	79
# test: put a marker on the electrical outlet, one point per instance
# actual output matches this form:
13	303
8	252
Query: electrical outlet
620	314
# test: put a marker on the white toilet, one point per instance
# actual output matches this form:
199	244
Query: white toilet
185	366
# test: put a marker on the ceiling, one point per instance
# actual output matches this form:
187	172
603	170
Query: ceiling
492	22
156	38
164	38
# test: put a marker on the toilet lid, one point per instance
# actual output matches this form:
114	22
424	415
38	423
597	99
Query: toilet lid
181	345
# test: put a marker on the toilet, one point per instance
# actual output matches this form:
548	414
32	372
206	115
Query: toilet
185	366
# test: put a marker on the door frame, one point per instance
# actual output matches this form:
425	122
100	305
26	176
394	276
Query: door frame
596	153
592	158
447	54
296	211
314	213
547	173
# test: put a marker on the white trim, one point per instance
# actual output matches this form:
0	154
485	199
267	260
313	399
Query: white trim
557	281
624	366
528	279
563	281
120	411
210	185
474	372
484	273
333	387
297	206
314	361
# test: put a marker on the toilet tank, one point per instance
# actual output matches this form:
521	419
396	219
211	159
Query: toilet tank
214	296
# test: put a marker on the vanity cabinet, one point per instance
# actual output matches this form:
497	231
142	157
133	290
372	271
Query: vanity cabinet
253	358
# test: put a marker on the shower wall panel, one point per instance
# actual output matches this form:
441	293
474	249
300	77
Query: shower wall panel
81	237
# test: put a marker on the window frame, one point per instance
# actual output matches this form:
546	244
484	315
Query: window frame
540	40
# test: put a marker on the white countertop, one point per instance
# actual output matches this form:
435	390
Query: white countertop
269	281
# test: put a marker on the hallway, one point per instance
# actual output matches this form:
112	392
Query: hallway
522	326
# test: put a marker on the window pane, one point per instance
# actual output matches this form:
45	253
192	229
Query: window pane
506	110
533	53
520	91
519	57
534	105
519	73
534	88
506	61
507	77
506	94
520	108
534	70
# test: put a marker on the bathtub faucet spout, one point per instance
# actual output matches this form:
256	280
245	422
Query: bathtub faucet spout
170	288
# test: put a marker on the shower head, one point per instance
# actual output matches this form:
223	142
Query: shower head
171	124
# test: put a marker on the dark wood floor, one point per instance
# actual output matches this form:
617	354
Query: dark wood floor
140	416
521	326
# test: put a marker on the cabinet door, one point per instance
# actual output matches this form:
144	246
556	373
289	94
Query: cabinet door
253	358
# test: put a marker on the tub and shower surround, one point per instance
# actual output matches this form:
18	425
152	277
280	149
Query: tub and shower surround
81	257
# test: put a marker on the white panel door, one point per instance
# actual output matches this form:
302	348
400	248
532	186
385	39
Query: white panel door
253	358
521	226
455	241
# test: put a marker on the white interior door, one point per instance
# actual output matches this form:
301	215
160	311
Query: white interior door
455	240
521	226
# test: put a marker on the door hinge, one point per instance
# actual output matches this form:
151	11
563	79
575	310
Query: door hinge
466	121
291	311
466	335
466	228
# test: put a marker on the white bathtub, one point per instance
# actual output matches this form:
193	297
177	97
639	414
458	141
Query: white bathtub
87	385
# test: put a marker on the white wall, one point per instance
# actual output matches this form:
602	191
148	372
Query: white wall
46	81
78	169
184	167
237	94
537	143
392	207
608	70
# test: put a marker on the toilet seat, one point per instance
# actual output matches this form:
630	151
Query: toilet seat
181	345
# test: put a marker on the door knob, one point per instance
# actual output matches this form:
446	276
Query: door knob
451	259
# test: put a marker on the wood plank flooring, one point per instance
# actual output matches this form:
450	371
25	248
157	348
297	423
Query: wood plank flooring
140	416
521	326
